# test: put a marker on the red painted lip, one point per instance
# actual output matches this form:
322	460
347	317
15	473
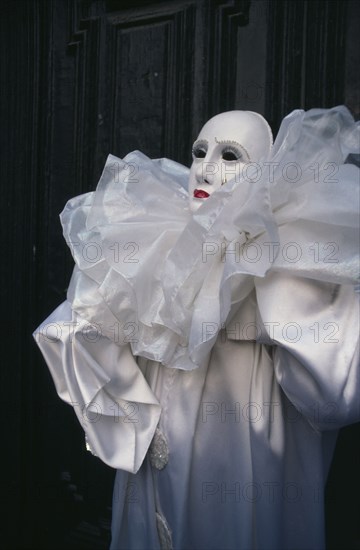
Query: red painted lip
200	194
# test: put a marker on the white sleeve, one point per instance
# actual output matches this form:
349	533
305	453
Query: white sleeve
315	328
104	384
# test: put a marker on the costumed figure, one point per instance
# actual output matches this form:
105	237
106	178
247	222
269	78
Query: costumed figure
209	340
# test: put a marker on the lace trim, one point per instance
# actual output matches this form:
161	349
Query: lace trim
159	450
163	532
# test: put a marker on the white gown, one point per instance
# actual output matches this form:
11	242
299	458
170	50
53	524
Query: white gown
211	358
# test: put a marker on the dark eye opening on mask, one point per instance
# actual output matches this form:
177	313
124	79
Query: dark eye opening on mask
199	152
231	154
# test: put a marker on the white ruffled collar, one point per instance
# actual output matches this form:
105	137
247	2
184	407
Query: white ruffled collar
150	274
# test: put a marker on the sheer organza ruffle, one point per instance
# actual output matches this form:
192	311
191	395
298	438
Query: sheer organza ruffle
150	274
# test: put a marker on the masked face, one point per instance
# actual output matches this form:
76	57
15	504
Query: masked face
224	146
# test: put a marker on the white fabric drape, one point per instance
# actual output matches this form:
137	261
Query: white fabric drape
234	330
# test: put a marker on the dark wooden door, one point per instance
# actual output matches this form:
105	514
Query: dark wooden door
80	79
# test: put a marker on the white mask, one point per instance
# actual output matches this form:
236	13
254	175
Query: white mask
226	143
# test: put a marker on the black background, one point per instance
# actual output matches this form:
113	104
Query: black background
80	79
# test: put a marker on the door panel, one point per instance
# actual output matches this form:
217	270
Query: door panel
84	78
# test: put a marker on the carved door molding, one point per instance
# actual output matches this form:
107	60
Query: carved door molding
84	78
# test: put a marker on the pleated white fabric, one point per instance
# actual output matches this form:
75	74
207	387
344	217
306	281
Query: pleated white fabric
233	331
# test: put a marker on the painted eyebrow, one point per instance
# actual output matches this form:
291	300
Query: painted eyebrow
241	148
229	142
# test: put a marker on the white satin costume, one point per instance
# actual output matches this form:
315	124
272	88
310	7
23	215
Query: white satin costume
212	357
